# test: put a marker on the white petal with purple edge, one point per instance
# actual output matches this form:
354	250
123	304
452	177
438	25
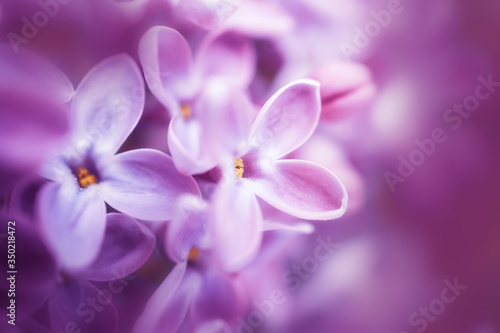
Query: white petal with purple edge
302	189
287	119
144	184
108	104
73	222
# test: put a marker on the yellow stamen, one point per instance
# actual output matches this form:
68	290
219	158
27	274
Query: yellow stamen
85	179
239	167
193	254
186	111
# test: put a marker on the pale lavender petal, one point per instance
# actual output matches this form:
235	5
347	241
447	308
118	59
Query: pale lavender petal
237	225
187	229
208	14
189	151
302	189
107	105
80	307
144	184
227	108
73	222
126	247
167	63
287	119
168	307
229	56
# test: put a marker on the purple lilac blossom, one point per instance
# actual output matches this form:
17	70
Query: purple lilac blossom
142	183
197	203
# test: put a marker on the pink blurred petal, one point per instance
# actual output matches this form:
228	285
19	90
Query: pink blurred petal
227	55
260	19
208	14
345	89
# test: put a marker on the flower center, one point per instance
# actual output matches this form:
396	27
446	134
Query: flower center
186	111
85	179
238	166
193	254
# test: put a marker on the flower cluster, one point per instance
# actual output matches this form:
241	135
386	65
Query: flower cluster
98	199
212	166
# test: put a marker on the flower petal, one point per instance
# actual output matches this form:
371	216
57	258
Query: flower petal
167	63
217	298
30	126
227	55
27	71
167	308
73	222
144	184
187	229
189	151
208	14
70	309
287	119
302	189
237	225
345	89
260	19
224	107
108	103
127	246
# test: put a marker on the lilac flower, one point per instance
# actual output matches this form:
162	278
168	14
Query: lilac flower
178	82
197	294
255	168
142	183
